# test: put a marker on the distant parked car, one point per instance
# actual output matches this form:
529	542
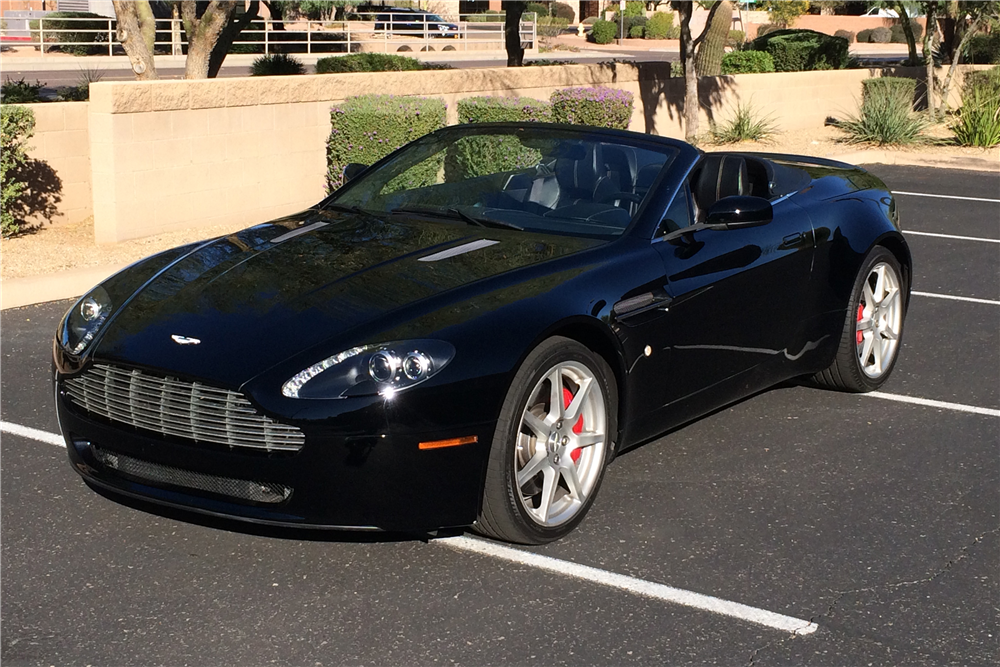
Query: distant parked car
413	23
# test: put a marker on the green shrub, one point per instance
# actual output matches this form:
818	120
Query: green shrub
978	122
675	32
845	34
886	114
637	32
766	28
277	64
802	50
478	156
590	20
599	107
538	8
736	38
630	23
659	25
550	26
20	91
900	89
83	38
603	32
17	124
747	62
489	16
561	10
370	62
369	127
983	49
880	35
864	36
745	125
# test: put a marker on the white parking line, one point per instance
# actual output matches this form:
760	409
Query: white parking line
952	236
567	568
967	299
632	585
926	402
924	194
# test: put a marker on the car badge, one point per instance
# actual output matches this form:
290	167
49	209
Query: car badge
185	340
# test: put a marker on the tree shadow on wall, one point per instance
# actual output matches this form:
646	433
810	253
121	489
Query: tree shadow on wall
656	86
39	202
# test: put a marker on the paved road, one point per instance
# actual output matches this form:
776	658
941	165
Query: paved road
875	519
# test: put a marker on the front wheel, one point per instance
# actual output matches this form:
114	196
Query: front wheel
874	327
552	443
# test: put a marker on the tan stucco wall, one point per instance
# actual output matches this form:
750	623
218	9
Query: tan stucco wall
61	141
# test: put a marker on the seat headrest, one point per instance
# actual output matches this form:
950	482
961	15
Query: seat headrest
720	176
579	171
644	179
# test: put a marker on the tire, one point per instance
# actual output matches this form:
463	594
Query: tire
559	456
873	330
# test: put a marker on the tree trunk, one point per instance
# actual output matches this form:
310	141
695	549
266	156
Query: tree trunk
911	42
277	11
712	48
931	8
136	32
691	104
970	31
202	33
228	36
512	33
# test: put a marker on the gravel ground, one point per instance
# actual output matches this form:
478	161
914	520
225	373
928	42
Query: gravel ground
61	247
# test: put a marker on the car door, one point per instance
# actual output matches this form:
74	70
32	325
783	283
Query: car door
737	298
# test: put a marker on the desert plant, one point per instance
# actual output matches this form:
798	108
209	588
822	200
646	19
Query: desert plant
538	8
746	124
79	37
81	91
801	50
600	107
17	125
637	32
864	36
880	35
603	32
368	127
736	39
708	61
371	62
549	27
845	34
20	91
978	119
277	64
784	12
659	25
747	62
561	10
885	115
983	49
766	28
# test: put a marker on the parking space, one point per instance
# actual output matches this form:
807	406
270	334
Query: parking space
874	519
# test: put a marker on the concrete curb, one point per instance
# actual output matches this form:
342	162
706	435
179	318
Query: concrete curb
64	285
876	156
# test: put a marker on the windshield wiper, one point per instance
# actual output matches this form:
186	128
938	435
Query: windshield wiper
453	212
350	209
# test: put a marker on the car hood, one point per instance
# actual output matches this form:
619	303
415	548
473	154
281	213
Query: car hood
257	297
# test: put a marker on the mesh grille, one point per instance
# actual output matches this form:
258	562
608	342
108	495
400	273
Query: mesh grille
184	409
259	492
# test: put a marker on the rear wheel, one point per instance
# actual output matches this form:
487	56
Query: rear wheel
551	445
872	333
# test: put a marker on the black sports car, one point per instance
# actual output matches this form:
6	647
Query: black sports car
414	23
469	330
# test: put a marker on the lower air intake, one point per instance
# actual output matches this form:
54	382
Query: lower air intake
145	471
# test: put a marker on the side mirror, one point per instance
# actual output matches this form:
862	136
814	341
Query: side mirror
353	170
740	211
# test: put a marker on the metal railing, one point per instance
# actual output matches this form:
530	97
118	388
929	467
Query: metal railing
385	32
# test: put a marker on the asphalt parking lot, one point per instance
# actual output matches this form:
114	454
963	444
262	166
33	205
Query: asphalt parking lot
873	520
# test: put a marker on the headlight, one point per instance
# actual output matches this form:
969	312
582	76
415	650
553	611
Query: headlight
84	320
383	369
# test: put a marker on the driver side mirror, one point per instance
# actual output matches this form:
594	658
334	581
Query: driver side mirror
740	211
353	170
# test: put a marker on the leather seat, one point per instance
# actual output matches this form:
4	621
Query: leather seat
718	176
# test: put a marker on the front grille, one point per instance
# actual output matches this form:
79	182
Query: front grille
258	492
184	409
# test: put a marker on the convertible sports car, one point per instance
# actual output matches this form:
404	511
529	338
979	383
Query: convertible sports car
468	331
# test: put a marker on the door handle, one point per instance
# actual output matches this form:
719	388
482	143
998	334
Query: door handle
794	241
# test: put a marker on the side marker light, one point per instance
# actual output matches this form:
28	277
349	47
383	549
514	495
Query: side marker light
452	442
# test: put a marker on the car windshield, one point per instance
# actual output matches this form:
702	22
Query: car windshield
532	178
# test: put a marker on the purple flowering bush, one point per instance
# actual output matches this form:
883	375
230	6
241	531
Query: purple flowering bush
600	107
369	127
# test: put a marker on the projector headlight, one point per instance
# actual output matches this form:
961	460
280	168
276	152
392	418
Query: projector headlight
84	320
385	369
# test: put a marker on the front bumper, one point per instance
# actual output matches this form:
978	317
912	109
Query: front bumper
362	472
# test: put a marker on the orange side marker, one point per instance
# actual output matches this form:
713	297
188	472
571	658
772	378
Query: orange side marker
452	442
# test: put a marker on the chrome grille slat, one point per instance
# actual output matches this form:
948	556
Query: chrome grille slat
186	410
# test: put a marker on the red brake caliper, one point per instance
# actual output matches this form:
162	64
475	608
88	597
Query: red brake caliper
861	312
578	427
